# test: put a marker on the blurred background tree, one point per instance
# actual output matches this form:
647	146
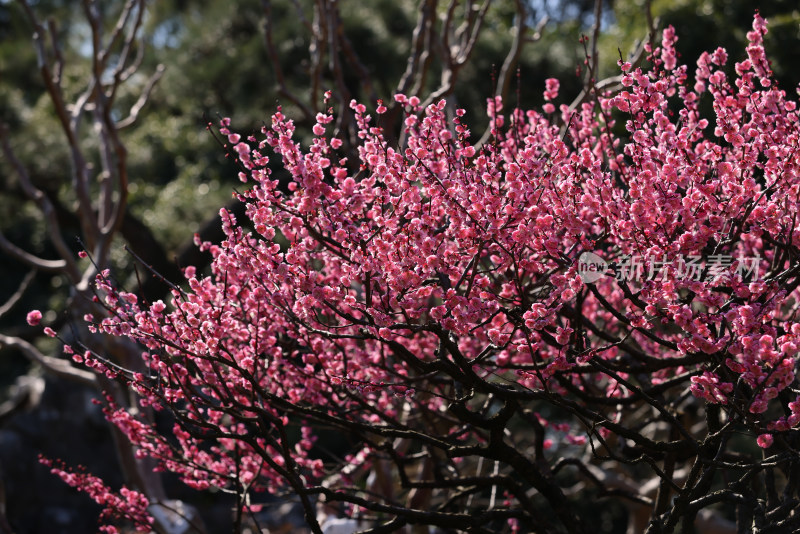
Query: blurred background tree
705	25
241	59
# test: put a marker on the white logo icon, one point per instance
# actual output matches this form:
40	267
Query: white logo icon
591	267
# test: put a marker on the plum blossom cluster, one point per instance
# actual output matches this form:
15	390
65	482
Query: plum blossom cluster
427	299
127	504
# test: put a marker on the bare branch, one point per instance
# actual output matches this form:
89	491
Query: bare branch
142	100
595	56
52	31
30	259
512	58
473	24
352	58
455	57
70	123
419	58
317	50
123	71
23	286
514	53
280	77
67	262
56	366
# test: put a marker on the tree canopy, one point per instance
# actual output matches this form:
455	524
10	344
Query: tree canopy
144	145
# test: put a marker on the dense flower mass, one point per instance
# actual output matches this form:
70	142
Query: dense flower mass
432	300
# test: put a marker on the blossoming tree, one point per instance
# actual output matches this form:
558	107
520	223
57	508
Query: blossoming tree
600	301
